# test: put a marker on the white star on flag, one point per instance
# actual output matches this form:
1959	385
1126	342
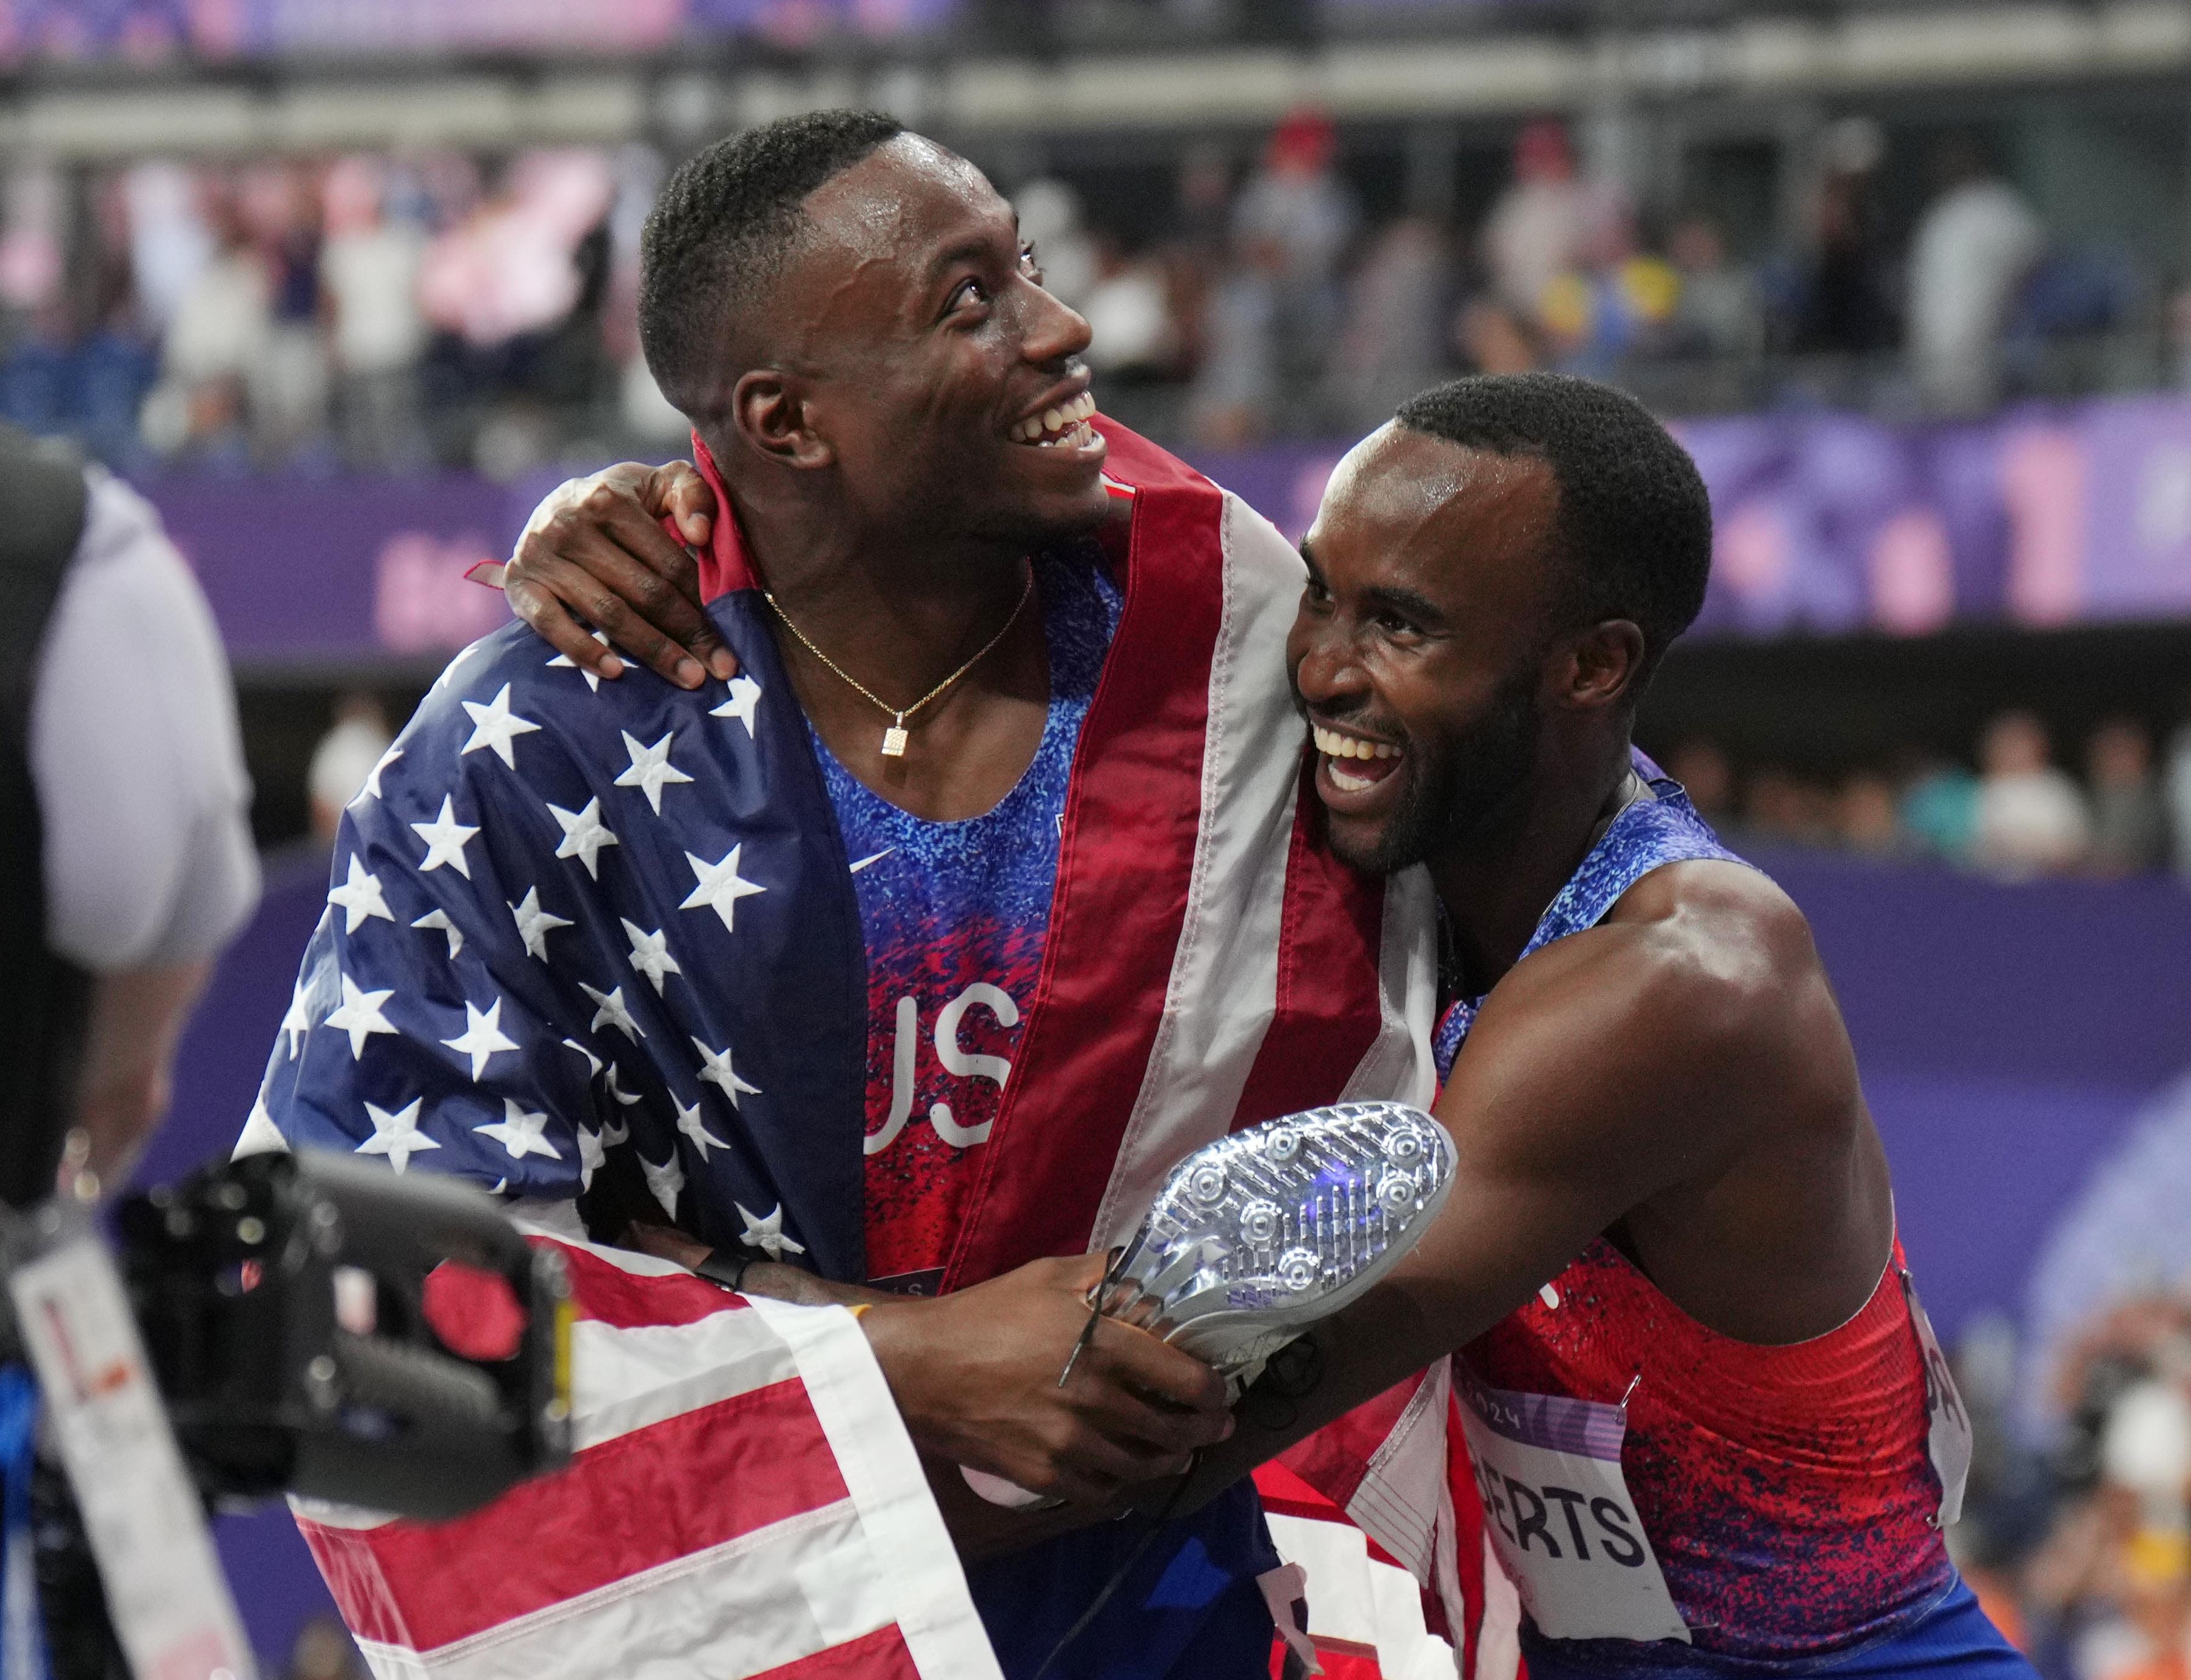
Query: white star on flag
437	921
649	955
481	1037
613	1012
359	1015
493	725
591	1157
767	1234
612	1136
585	834
593	1062
360	897
650	767
396	1135
450	669
624	1098
298	1021
563	661
720	887
745	694
534	923
260	1135
373	781
720	1072
665	1181
690	1123
445	838
518	1132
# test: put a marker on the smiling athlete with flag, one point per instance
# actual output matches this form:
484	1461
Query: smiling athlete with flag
912	955
1692	1392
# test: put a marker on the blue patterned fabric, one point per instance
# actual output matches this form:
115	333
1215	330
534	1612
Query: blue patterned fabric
1648	835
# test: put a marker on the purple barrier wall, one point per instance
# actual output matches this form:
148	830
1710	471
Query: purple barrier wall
2007	1035
1827	523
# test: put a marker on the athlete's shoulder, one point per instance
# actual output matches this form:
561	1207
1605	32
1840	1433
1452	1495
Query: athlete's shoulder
1724	954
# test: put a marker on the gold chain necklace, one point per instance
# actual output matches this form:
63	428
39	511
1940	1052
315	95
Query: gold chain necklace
895	737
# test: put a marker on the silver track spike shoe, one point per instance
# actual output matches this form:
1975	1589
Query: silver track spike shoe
1256	1236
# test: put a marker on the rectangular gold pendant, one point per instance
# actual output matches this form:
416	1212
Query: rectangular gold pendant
894	740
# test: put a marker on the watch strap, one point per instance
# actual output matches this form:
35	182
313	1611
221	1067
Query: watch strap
724	1266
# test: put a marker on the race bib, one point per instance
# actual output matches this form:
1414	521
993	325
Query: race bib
1948	1436
1557	1510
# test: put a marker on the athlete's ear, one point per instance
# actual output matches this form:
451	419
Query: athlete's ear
769	408
1608	658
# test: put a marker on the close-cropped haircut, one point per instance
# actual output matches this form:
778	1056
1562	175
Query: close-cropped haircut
721	229
1634	528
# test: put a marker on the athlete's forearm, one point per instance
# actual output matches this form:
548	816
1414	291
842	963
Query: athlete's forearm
804	1289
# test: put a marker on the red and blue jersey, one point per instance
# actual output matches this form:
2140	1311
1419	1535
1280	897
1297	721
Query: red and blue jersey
954	917
1787	1492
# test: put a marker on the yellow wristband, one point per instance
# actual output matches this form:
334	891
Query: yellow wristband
861	1307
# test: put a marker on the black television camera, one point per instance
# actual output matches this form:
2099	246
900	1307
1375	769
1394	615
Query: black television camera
301	1323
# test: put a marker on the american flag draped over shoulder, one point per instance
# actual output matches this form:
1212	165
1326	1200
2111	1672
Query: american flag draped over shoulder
595	946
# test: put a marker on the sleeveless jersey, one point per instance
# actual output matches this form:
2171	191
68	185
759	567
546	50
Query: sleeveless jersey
954	916
1787	1492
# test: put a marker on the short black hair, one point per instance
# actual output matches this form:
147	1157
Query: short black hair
721	228
1635	523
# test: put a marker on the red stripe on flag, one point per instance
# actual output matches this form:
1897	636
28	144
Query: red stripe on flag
602	1289
631	1504
1124	864
880	1655
1330	943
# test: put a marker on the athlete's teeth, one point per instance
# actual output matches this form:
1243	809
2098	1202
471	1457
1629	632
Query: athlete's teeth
1334	745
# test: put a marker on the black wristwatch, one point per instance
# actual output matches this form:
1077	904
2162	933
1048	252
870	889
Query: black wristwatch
724	1266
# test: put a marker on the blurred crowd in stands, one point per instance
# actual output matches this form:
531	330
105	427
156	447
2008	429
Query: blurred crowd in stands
447	308
2018	816
2079	1545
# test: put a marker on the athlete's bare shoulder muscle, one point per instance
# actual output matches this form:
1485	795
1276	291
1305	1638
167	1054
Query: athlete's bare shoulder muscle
1678	1078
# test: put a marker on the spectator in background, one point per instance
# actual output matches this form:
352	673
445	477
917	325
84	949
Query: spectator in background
1716	314
288	380
2178	788
1788	809
1049	220
2130	828
345	758
323	1651
370	270
1236	387
1299	217
1867	815
2031	818
215	339
1548	222
1939	811
1129	310
1393	342
1493	339
1841	305
1707	777
1973	248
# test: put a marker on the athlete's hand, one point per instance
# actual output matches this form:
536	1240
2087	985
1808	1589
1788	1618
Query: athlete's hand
596	550
975	1375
